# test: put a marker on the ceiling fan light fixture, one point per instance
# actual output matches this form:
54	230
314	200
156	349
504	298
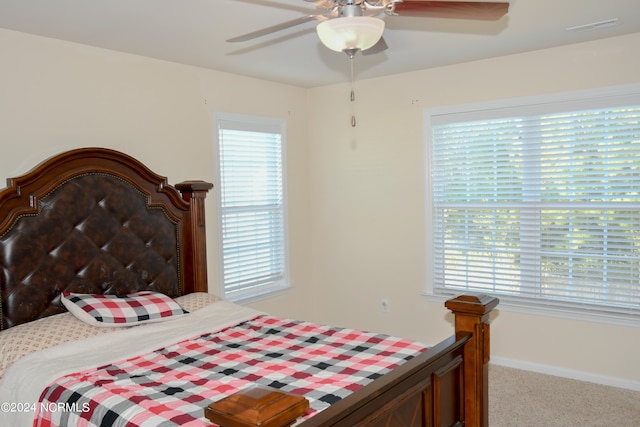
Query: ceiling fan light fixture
350	32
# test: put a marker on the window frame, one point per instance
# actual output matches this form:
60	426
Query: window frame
602	97
257	124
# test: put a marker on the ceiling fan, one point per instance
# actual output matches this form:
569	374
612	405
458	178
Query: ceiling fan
351	25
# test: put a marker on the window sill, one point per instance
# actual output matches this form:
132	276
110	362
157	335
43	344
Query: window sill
540	309
261	296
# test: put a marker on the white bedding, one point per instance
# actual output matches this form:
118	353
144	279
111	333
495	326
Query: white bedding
25	380
18	341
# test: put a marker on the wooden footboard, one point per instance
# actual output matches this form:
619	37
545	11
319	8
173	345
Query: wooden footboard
445	386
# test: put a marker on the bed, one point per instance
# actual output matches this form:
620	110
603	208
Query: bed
97	223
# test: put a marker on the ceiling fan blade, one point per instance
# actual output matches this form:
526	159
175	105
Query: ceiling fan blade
278	27
277	5
323	4
490	11
380	46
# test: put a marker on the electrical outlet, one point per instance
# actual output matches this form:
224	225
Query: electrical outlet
385	305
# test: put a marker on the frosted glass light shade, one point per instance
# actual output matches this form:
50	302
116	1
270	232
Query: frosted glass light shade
350	32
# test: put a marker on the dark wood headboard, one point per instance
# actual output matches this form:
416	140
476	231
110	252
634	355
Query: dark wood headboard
95	220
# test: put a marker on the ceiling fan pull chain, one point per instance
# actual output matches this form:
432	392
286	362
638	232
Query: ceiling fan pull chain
353	95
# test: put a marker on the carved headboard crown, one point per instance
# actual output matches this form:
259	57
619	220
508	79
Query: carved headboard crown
96	220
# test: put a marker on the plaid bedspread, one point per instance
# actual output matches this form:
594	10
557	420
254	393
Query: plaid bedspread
173	385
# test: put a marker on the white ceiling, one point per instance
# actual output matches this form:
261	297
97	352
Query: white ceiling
194	32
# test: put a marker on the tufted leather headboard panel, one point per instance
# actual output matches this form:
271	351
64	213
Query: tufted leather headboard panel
96	221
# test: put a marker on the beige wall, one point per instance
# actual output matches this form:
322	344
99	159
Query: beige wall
356	195
368	205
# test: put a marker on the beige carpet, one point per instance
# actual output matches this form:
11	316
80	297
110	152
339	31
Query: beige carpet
526	399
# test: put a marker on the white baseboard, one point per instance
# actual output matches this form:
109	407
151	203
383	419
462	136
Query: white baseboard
566	373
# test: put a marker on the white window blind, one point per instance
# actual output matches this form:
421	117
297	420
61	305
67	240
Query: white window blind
252	206
540	204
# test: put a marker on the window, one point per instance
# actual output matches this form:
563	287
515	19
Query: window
252	207
538	202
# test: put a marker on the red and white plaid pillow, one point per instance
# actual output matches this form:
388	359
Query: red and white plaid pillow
122	310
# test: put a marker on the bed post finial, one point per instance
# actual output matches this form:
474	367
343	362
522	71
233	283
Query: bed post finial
195	192
472	316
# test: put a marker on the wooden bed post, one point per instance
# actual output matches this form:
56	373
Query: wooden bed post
472	316
195	192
